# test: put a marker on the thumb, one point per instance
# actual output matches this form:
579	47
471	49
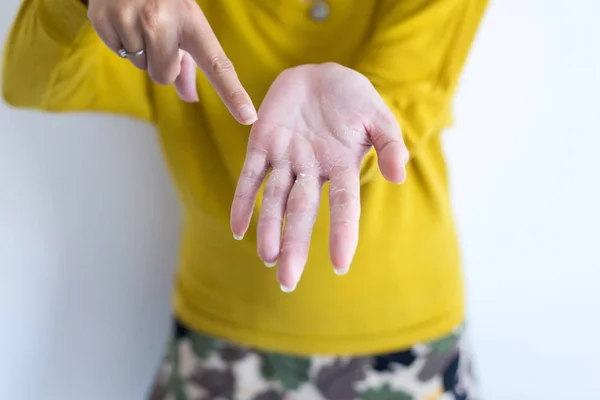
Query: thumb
185	83
392	154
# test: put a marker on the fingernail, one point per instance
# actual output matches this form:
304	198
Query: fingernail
341	271
248	114
286	289
270	264
405	156
403	175
236	237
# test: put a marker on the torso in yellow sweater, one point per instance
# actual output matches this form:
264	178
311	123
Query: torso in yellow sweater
405	284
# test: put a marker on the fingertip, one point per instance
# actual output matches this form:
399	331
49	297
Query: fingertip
188	97
287	289
247	115
185	83
286	285
342	259
395	175
268	242
267	254
237	228
403	175
238	237
286	276
405	155
392	163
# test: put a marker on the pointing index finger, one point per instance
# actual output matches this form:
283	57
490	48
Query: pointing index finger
199	40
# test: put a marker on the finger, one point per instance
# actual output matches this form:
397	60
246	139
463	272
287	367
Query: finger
200	41
392	153
251	178
301	212
185	83
131	40
106	31
344	205
270	222
162	50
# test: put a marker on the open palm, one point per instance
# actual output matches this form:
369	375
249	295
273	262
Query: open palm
316	124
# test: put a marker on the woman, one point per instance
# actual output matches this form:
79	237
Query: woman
332	81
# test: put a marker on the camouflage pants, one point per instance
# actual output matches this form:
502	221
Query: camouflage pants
199	367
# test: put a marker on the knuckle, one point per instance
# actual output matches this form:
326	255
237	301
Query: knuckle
341	225
295	242
279	182
344	199
220	64
190	7
301	207
122	17
252	174
269	214
237	97
97	18
258	146
276	192
242	195
152	16
343	215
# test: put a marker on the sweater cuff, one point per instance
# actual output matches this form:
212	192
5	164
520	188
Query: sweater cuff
62	19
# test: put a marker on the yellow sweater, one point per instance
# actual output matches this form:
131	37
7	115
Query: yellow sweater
405	282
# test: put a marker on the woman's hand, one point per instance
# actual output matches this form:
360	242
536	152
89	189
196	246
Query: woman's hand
175	37
316	124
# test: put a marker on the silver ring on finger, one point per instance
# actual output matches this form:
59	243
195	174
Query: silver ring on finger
129	54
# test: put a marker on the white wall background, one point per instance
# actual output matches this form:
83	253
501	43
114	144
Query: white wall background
89	225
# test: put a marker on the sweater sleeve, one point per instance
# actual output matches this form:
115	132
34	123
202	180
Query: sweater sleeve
54	61
414	58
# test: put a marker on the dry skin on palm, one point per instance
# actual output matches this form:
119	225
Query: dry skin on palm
319	134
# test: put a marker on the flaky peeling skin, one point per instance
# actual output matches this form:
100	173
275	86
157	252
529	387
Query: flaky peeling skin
315	125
